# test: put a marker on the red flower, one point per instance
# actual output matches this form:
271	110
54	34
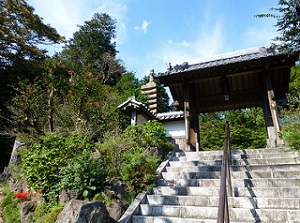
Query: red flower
70	72
22	195
91	75
70	91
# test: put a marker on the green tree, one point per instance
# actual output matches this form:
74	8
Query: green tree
129	86
290	119
21	34
93	45
62	100
247	129
21	31
288	23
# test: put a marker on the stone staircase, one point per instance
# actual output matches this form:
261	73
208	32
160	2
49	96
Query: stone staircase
266	188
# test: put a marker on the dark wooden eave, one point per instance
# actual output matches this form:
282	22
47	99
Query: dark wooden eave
230	81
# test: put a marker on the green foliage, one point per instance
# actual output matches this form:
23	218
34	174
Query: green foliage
290	119
291	133
93	46
138	169
64	101
22	30
93	39
129	86
30	106
288	23
294	90
129	158
47	213
111	153
41	162
247	129
84	174
149	134
10	209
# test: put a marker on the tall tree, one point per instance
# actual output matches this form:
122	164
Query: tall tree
93	45
21	31
129	86
21	34
288	23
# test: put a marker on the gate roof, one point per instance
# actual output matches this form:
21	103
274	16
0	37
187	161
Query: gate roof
230	81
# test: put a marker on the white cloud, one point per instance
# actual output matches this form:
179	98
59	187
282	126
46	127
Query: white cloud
259	35
67	14
185	43
143	27
210	40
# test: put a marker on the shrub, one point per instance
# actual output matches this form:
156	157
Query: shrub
85	174
138	169
291	128
47	213
10	209
149	134
41	162
127	156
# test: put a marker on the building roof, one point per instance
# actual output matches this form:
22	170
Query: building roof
170	115
230	81
132	104
222	59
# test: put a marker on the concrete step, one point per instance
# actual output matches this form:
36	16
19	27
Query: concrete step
260	182
248	152
234	175
192	167
236	214
212	162
268	192
236	202
237	155
162	219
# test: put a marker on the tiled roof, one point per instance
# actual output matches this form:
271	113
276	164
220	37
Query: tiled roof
132	103
222	59
170	115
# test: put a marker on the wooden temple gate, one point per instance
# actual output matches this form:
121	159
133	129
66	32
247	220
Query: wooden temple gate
257	77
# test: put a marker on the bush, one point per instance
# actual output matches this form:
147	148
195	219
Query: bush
10	209
291	128
84	174
150	134
138	169
127	156
47	213
41	162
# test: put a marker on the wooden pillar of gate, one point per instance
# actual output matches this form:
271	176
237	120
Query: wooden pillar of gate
191	119
271	114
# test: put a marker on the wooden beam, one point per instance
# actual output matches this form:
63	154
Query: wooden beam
187	116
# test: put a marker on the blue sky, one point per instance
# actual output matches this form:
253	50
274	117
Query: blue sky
152	33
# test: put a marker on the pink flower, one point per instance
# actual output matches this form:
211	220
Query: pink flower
70	91
91	75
